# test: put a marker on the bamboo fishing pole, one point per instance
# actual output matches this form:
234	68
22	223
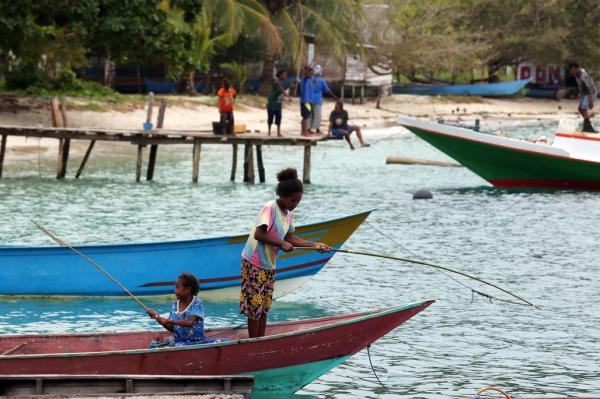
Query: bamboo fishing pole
433	265
97	266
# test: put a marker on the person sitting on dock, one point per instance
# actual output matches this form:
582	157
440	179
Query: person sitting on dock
587	92
226	95
186	319
274	101
340	128
272	230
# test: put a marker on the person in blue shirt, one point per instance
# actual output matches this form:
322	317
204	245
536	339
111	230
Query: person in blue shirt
319	88
186	319
306	98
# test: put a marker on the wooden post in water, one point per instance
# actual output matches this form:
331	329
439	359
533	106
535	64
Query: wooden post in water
259	161
59	119
248	163
2	152
362	94
85	159
342	93
306	167
353	94
138	163
234	162
196	161
154	147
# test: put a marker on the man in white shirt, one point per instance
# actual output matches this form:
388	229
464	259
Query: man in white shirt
587	92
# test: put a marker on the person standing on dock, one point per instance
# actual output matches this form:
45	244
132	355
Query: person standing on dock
275	100
226	95
587	92
272	230
319	88
306	98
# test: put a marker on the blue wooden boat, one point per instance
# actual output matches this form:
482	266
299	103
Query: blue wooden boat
484	90
151	268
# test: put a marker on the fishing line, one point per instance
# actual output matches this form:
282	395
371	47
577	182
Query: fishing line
473	290
421	263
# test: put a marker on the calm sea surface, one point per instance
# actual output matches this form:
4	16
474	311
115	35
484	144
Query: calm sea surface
542	245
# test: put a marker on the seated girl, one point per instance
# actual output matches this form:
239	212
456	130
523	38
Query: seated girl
339	126
186	319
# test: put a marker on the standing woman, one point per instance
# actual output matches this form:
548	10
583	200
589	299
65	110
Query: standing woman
273	229
319	88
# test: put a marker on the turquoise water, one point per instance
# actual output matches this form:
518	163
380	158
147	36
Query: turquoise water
539	244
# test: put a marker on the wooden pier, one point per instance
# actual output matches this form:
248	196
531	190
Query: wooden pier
153	138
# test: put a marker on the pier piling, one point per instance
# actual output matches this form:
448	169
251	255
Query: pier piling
259	161
85	158
306	167
154	147
248	163
196	161
234	161
138	164
2	152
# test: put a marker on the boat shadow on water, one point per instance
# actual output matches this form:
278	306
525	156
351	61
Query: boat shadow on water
497	192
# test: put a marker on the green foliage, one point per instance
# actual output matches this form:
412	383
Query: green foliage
240	75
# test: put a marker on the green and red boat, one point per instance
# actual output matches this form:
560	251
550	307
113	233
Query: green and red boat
290	355
570	161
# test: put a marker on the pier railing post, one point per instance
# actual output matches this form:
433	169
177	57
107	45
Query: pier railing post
306	167
248	163
259	161
2	151
196	161
234	161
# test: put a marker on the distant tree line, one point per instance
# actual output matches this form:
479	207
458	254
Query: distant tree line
43	42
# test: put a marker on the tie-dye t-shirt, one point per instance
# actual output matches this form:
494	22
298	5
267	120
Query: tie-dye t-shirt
278	225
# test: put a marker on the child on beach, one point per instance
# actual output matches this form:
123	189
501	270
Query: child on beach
274	102
226	95
339	126
186	319
273	229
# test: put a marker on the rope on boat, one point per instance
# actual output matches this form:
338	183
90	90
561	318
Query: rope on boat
97	266
473	290
428	264
374	372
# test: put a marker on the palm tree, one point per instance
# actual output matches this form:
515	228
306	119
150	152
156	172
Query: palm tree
218	24
333	23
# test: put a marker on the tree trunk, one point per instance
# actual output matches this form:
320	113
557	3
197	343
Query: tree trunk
190	86
266	78
109	71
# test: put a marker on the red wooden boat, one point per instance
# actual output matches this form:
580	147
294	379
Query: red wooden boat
290	356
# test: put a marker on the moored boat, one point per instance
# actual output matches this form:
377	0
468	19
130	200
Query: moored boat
288	357
151	268
570	161
484	89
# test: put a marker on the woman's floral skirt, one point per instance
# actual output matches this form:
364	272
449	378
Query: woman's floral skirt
257	290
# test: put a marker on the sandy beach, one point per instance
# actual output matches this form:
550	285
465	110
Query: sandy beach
197	113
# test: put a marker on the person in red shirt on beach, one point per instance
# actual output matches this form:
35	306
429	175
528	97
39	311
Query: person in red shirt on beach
226	95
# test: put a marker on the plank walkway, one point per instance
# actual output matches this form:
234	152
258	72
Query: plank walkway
153	138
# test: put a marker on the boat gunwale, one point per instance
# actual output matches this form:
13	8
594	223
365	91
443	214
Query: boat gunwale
187	243
508	139
352	318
